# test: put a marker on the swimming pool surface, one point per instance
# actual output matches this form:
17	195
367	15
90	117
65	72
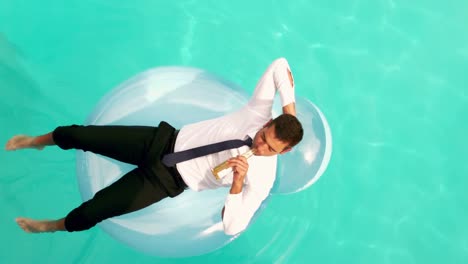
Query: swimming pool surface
390	76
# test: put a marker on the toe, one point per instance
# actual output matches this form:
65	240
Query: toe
22	224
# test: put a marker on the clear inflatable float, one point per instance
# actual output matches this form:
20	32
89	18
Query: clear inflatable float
189	224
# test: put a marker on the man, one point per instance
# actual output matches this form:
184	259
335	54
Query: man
166	164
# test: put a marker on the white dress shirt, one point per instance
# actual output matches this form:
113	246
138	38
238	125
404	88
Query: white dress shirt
239	208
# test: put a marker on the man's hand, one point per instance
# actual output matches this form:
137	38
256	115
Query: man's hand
239	167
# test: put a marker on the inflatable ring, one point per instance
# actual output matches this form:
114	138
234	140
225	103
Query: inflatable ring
189	224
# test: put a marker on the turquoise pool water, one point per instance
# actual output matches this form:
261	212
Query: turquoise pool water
390	76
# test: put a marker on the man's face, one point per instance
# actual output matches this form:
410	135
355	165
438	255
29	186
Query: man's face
266	143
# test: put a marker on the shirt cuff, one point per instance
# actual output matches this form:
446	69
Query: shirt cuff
285	87
286	93
233	199
233	205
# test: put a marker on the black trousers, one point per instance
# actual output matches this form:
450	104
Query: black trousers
148	183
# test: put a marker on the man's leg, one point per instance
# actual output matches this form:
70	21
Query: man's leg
130	193
124	143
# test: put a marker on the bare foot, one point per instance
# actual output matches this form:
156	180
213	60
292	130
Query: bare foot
35	226
21	142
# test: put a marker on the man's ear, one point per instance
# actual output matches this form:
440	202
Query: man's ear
286	150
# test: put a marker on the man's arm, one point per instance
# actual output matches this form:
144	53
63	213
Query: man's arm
241	204
240	168
290	108
240	208
277	78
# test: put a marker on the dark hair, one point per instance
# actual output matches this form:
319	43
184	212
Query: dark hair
288	129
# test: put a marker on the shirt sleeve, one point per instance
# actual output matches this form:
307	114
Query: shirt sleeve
240	208
275	79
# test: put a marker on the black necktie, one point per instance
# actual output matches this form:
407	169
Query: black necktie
173	158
